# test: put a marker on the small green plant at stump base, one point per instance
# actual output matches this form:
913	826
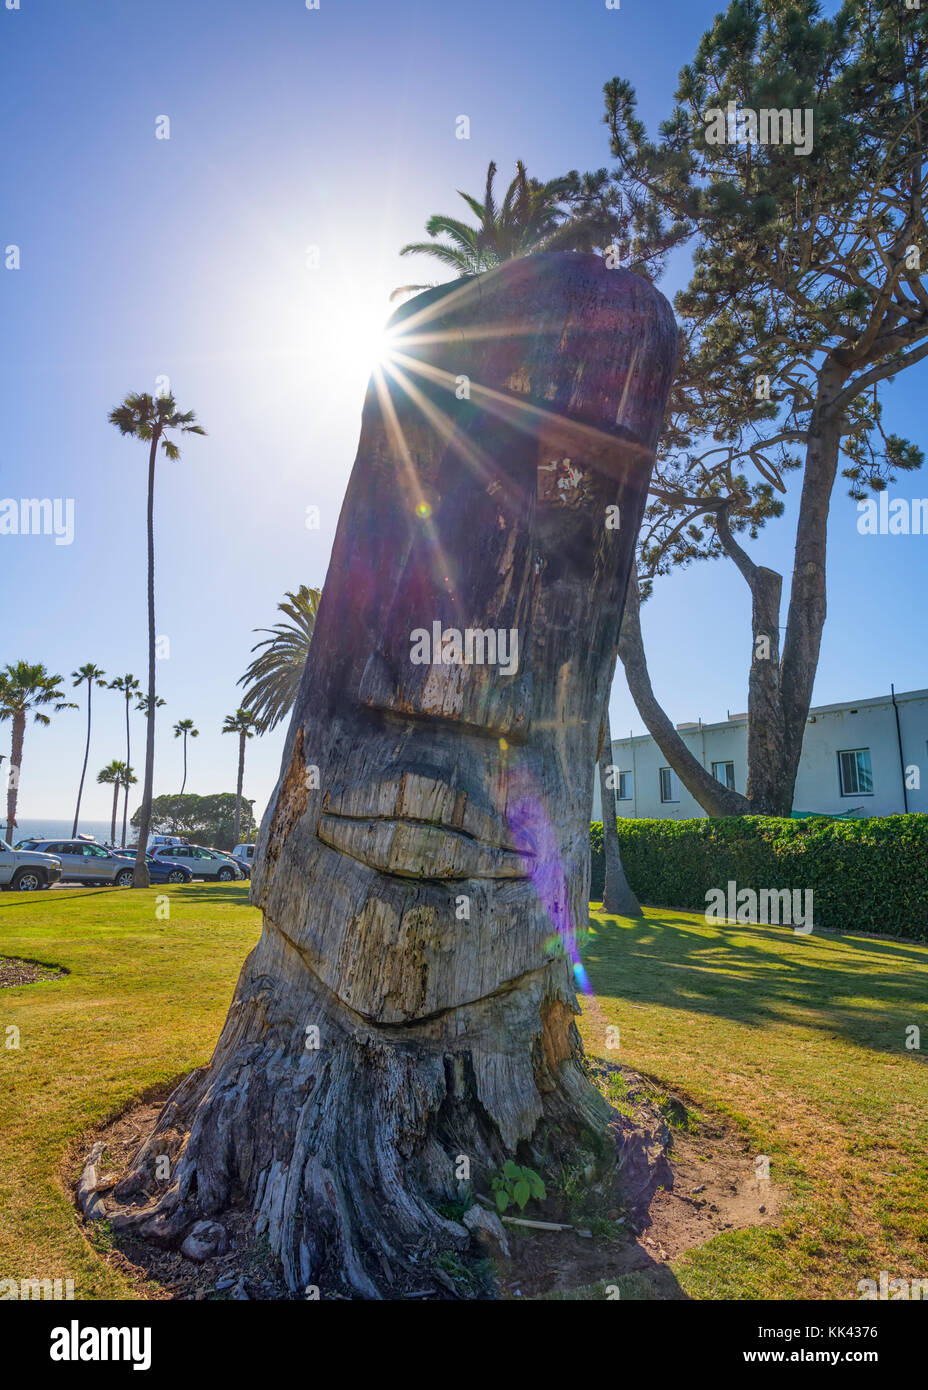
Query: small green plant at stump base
516	1184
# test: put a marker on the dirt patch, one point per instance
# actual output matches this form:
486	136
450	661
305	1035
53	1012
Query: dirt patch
709	1181
715	1185
14	971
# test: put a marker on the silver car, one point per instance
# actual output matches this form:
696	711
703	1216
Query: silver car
84	862
24	870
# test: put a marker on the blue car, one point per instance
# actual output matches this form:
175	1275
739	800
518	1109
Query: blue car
159	870
163	871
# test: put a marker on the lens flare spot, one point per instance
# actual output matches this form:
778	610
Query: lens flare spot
582	978
423	511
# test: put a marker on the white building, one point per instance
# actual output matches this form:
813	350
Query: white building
856	756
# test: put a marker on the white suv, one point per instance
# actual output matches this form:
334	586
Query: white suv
202	863
244	856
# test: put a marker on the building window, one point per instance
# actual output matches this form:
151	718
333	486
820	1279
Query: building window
724	773
624	788
669	785
855	772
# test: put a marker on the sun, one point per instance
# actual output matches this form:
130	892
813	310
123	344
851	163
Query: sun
358	336
378	345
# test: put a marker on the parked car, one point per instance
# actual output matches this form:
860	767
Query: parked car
159	870
83	861
244	856
25	870
165	871
202	863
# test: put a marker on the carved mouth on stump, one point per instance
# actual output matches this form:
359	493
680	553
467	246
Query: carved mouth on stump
419	826
412	849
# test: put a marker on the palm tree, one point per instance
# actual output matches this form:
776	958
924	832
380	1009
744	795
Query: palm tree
143	704
127	779
184	729
93	676
148	418
26	689
129	686
242	722
273	678
112	775
531	217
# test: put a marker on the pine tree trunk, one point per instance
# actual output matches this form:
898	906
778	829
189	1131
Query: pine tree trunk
618	898
779	690
715	799
765	790
807	599
406	1020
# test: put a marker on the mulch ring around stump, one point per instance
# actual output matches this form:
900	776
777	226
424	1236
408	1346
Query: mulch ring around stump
688	1178
14	971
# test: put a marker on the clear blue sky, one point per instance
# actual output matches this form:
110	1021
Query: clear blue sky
187	258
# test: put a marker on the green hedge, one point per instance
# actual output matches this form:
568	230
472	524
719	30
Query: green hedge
867	875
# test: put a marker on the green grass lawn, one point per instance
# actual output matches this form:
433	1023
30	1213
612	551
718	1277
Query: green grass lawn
143	1003
800	1041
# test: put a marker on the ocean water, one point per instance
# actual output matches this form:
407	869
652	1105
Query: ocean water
31	829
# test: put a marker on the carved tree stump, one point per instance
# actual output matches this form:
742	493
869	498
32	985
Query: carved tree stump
423	863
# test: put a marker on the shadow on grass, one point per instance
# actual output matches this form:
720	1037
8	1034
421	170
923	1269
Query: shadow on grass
865	990
235	894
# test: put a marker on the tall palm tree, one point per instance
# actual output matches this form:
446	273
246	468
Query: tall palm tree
184	729
242	722
112	775
93	676
531	217
149	418
26	689
273	678
129	686
127	779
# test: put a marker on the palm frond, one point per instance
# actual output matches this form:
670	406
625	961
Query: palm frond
529	219
409	289
448	255
476	208
467	238
489	206
273	677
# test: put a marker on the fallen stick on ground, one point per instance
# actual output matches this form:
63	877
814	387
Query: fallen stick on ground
537	1225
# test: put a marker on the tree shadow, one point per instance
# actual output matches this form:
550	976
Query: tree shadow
868	991
236	893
